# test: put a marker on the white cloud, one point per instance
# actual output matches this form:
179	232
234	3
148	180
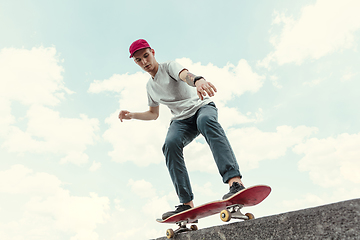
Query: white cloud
31	76
118	206
136	141
141	212
205	190
85	235
313	82
331	161
75	157
34	79
274	80
154	205
252	145
321	197
309	200
348	76
48	132
142	188
344	193
229	116
230	81
48	209
72	213
19	180
95	166
118	83
6	118
131	88
129	233
199	157
323	28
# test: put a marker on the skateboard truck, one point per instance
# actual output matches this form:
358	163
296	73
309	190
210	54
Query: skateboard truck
182	228
233	211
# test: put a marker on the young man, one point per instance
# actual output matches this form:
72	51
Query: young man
193	113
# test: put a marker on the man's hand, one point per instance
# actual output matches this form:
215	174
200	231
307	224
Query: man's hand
124	114
204	87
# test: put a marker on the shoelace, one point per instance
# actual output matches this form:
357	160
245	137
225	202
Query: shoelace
234	187
178	207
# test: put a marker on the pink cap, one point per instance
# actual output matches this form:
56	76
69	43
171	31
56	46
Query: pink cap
137	45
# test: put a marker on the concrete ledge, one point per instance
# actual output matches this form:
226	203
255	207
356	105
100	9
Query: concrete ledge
334	221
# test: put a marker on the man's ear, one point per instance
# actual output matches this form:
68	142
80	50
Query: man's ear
153	51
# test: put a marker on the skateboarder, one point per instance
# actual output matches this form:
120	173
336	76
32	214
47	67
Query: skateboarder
193	113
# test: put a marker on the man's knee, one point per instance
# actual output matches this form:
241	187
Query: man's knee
206	121
171	144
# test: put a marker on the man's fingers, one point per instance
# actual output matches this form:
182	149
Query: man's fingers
210	92
206	88
213	87
200	95
122	115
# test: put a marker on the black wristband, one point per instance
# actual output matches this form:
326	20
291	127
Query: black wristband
197	78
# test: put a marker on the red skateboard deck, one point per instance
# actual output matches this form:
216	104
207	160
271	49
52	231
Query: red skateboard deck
229	208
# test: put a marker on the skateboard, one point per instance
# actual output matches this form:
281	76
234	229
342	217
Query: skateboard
228	209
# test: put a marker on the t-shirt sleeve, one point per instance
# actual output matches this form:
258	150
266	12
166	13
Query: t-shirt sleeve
174	69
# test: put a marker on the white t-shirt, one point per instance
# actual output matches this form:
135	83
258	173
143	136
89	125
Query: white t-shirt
168	89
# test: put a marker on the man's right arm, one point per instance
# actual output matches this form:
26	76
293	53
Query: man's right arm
151	114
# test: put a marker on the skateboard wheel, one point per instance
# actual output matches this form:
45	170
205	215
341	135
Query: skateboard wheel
250	216
170	233
193	227
225	215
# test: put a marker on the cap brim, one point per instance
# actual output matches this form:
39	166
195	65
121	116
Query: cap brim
136	51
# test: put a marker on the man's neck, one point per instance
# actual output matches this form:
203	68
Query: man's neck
155	70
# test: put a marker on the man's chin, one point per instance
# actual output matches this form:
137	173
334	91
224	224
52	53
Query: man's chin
147	69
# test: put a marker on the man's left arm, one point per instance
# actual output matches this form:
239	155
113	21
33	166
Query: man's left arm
203	87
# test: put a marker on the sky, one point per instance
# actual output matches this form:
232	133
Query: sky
288	80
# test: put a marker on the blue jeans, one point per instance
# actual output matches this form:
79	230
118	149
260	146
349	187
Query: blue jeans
182	132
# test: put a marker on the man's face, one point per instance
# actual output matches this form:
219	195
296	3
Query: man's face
145	58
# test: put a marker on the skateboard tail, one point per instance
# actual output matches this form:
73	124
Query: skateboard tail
250	196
